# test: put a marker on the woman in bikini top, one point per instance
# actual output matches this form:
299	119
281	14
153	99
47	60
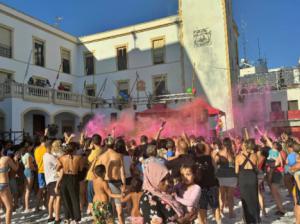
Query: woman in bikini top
6	163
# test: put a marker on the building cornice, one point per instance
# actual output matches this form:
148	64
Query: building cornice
11	12
129	30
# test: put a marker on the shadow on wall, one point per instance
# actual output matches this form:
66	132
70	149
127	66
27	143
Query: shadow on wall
141	62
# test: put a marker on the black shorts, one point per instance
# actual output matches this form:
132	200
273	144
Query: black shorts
50	189
209	197
297	195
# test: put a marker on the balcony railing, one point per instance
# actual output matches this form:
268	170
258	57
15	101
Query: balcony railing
45	95
293	115
5	51
285	115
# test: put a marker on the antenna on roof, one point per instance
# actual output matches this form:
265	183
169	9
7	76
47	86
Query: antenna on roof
58	20
258	45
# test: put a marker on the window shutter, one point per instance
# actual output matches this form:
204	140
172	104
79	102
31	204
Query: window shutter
5	37
158	51
65	54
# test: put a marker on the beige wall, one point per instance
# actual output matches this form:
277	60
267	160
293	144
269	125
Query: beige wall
212	63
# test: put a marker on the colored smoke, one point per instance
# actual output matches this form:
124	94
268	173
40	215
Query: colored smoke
188	117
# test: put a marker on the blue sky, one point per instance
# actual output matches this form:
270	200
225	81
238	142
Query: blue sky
274	22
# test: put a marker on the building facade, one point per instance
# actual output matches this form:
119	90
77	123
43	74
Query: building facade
270	99
48	76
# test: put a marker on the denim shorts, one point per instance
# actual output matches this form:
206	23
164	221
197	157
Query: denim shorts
209	196
28	173
115	187
90	191
41	180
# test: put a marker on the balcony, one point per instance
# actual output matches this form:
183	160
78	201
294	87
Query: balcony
277	116
285	115
45	95
293	115
5	51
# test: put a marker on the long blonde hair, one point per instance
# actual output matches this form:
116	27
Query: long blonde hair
56	148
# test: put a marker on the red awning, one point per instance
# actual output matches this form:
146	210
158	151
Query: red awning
157	110
211	110
197	104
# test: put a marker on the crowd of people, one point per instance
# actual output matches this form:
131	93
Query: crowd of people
160	180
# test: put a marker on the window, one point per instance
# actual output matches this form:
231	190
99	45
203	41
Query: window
89	64
5	76
123	89
122	58
158	51
90	90
39	53
65	60
293	105
113	116
160	85
5	42
276	106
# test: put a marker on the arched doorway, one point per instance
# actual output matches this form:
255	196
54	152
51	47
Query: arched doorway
35	121
66	122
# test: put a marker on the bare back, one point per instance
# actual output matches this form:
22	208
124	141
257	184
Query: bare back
113	163
135	198
100	187
242	160
6	163
71	164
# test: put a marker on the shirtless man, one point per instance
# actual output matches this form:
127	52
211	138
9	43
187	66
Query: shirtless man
115	173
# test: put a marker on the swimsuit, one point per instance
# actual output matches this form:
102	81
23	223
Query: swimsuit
3	186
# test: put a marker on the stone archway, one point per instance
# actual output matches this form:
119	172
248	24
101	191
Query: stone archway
35	120
66	121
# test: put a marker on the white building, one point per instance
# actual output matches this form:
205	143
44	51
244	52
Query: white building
196	48
271	99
